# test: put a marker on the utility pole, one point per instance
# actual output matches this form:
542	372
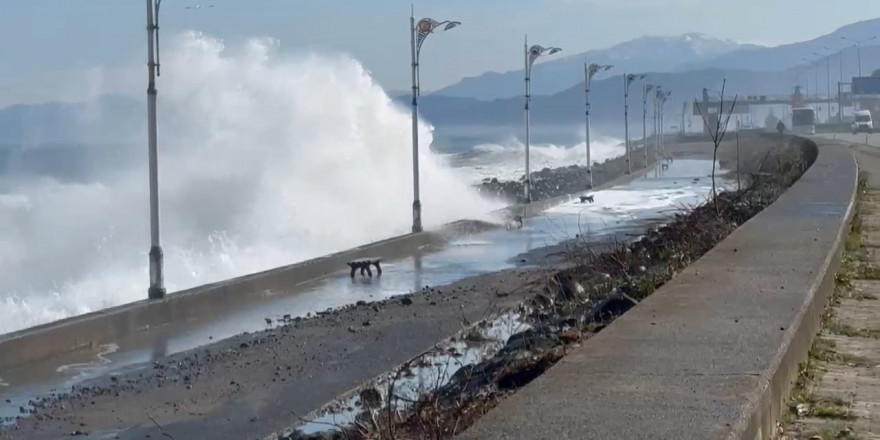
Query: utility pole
589	72
656	102
627	80
827	82
684	108
418	33
157	277
531	54
839	83
858	44
646	88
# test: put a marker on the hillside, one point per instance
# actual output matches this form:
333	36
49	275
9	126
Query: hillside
786	56
656	54
688	52
568	106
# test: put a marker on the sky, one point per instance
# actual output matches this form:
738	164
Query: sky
46	43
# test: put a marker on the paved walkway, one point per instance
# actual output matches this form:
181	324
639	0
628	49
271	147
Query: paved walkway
701	357
841	399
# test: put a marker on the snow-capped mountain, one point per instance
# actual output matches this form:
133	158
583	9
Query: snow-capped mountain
787	56
645	54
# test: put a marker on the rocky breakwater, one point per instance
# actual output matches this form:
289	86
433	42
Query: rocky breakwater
553	182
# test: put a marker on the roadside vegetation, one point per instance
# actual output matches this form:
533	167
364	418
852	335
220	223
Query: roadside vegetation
594	286
811	413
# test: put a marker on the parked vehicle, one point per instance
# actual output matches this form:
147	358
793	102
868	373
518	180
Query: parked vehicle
863	123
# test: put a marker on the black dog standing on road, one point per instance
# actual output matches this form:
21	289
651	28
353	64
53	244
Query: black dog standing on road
585	199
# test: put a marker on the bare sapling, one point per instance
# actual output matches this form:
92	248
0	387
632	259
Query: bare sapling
717	133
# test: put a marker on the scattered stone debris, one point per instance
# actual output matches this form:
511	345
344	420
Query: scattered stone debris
575	303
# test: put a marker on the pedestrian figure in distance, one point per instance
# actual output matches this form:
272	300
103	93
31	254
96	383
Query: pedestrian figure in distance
780	127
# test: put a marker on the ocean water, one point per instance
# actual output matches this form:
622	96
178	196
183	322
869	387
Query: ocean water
265	160
618	213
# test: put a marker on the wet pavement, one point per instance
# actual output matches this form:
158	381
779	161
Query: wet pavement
619	211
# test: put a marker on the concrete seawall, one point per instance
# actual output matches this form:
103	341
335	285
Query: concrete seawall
94	329
105	326
713	353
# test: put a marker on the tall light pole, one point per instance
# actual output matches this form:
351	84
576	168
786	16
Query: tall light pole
664	95
827	81
859	48
657	94
807	77
815	65
839	57
157	278
646	88
418	33
627	80
839	83
589	72
531	54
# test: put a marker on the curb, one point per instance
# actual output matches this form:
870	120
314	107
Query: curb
704	357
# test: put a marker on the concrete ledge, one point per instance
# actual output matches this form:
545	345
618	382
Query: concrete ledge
109	325
712	354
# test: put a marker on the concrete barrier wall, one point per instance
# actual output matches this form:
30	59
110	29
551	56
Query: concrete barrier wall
109	325
713	353
94	329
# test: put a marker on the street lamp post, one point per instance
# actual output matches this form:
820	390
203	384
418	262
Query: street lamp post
646	88
815	65
664	95
418	33
157	278
858	44
627	81
589	72
656	102
531	54
807	78
660	118
839	57
827	81
839	83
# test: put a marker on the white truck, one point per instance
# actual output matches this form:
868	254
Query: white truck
863	122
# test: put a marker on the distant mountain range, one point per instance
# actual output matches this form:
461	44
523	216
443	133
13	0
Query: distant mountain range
567	106
645	54
786	56
684	53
